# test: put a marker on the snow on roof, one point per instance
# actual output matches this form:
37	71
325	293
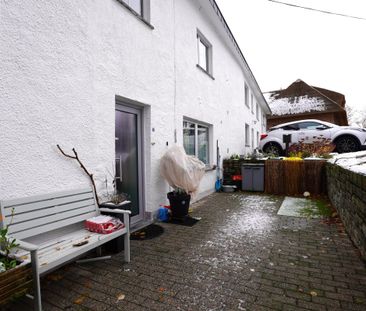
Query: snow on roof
354	161
295	105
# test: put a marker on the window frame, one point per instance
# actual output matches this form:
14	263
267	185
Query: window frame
252	102
196	145
246	95
144	15
201	40
247	135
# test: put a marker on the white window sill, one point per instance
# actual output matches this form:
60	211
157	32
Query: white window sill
210	168
138	16
204	70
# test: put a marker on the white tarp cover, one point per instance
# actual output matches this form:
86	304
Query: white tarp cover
181	170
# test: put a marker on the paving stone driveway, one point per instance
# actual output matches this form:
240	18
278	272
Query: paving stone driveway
240	256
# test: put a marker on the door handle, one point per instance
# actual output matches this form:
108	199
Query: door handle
119	159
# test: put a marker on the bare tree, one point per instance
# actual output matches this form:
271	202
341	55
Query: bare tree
76	157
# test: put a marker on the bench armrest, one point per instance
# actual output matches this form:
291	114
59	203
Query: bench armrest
116	211
27	246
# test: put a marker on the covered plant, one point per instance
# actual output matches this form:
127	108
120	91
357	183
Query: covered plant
183	172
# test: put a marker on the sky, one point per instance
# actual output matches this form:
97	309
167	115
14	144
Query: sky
282	44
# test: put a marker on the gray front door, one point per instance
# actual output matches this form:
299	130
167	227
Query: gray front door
128	157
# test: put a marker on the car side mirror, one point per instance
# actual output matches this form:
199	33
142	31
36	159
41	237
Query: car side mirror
321	128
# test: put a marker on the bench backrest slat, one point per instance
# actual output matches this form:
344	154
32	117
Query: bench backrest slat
40	214
52	226
32	205
18	218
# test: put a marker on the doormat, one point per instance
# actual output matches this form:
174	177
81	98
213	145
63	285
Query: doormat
147	233
186	221
308	208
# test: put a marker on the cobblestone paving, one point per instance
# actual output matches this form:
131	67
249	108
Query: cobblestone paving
240	256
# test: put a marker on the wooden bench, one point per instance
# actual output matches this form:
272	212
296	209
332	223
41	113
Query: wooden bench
49	227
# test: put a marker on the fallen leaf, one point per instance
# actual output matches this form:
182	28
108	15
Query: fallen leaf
54	277
359	300
121	297
79	300
25	257
77	244
313	293
161	289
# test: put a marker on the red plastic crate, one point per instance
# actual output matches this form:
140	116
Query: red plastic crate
103	224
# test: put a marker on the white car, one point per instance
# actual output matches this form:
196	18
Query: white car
345	138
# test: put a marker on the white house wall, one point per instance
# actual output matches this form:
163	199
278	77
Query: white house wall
64	63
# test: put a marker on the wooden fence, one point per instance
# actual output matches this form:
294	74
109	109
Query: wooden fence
295	177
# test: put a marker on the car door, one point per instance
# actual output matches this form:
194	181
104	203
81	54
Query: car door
291	129
311	131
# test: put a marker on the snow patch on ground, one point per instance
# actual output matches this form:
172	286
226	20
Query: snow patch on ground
255	217
354	161
301	104
294	206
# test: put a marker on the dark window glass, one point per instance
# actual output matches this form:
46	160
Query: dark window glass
308	125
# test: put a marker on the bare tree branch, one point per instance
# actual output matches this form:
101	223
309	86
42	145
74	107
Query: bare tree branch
76	157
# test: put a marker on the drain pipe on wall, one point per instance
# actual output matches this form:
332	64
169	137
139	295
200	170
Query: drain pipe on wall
175	77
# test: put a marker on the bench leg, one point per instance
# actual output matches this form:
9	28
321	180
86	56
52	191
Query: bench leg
99	251
36	282
126	220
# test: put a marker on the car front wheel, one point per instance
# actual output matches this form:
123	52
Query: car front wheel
347	144
272	148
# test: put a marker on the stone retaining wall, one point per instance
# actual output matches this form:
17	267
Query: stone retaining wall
347	192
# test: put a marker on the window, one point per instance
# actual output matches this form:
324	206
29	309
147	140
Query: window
247	135
308	125
139	7
264	125
135	5
257	138
290	127
204	53
246	95
257	111
252	103
252	138
195	140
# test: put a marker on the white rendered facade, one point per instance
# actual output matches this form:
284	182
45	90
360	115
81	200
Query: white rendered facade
64	63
